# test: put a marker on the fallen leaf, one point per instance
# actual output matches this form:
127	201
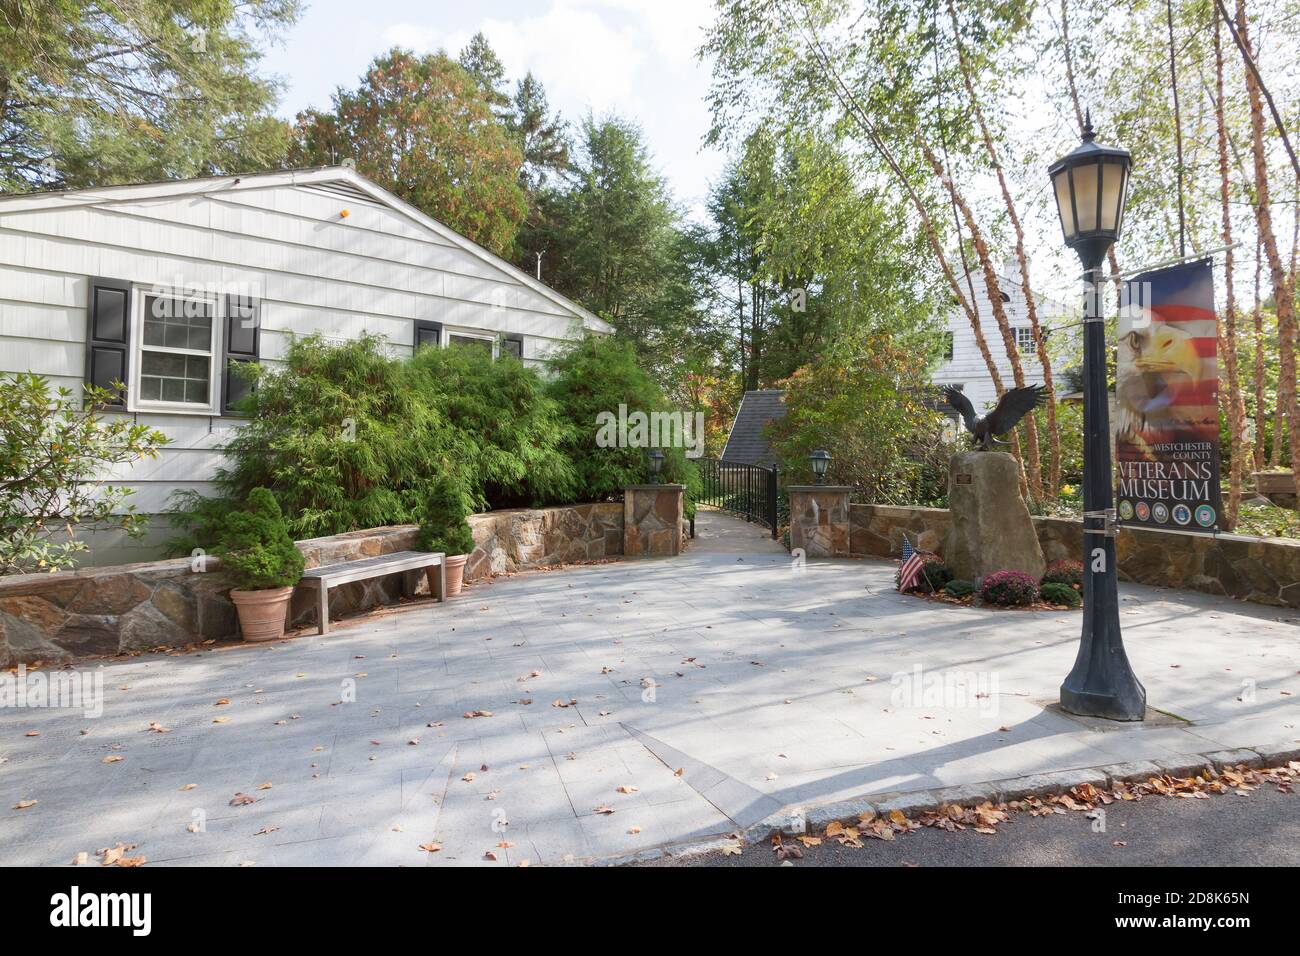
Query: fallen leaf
604	810
242	800
188	786
628	788
25	804
158	728
265	830
112	758
81	859
431	847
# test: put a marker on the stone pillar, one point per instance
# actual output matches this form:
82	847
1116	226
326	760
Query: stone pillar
652	520
819	520
991	529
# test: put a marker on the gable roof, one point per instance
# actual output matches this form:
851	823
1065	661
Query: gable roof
746	443
343	180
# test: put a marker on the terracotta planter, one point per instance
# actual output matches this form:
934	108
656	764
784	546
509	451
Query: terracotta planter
262	612
455	574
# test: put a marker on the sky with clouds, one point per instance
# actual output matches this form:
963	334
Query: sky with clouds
631	57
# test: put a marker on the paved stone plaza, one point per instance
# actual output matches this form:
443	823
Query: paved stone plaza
701	694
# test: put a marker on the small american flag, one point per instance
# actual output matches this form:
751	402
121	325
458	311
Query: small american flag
910	572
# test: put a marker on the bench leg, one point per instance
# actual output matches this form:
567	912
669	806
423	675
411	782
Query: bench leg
442	582
323	608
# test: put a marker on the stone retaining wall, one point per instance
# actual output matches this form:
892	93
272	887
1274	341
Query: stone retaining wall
135	607
1262	570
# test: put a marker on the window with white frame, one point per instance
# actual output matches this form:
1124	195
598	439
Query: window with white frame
176	351
1025	338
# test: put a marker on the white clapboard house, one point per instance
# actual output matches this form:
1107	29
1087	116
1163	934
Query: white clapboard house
962	364
162	285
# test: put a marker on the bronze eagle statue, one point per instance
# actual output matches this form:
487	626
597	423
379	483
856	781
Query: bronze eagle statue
1014	405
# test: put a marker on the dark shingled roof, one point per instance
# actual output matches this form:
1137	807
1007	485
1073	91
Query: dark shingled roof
746	443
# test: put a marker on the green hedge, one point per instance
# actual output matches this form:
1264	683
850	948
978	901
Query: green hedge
349	436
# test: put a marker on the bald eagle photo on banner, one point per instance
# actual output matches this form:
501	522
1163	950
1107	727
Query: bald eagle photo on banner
1167	400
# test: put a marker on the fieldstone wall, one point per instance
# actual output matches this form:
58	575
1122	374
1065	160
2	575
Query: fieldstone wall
523	538
819	520
652	520
135	607
1261	570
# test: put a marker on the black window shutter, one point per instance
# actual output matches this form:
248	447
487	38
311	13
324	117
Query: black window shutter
513	345
427	333
108	336
240	344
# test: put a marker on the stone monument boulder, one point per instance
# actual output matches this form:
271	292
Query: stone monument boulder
991	529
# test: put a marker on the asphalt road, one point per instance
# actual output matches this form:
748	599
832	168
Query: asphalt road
1261	829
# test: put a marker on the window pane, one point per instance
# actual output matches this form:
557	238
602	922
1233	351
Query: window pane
470	340
512	347
1085	194
178	323
173	390
174	378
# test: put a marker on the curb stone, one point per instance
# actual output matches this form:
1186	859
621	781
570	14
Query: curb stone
1222	759
1015	788
1135	771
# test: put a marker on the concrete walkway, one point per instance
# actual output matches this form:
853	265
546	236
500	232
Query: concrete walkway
692	696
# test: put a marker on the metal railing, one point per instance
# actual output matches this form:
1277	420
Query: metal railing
744	490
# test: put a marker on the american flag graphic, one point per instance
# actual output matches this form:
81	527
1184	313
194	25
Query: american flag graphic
910	572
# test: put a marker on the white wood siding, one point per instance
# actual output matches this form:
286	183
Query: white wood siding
967	367
376	270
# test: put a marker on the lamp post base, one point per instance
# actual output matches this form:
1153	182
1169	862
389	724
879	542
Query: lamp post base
1126	702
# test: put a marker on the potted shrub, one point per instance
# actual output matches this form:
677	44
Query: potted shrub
259	556
445	529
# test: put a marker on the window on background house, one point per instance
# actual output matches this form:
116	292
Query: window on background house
1025	338
177	344
949	343
472	341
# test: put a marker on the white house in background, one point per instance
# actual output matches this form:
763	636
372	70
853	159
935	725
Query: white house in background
964	366
161	285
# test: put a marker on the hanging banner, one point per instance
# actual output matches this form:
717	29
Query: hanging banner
1167	401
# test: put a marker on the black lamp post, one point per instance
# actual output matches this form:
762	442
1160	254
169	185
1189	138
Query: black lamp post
656	460
1090	184
821	460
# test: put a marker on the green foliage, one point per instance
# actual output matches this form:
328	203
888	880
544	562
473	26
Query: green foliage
959	588
935	575
422	127
611	241
53	451
93	94
1065	571
255	547
858	401
593	378
442	524
349	437
1008	589
1268	521
507	432
1054	592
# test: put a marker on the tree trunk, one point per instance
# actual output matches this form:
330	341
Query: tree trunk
1031	306
1032	462
1257	316
1282	291
1232	398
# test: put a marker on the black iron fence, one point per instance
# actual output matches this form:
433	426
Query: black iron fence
747	491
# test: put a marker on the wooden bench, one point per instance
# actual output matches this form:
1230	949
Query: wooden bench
345	572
